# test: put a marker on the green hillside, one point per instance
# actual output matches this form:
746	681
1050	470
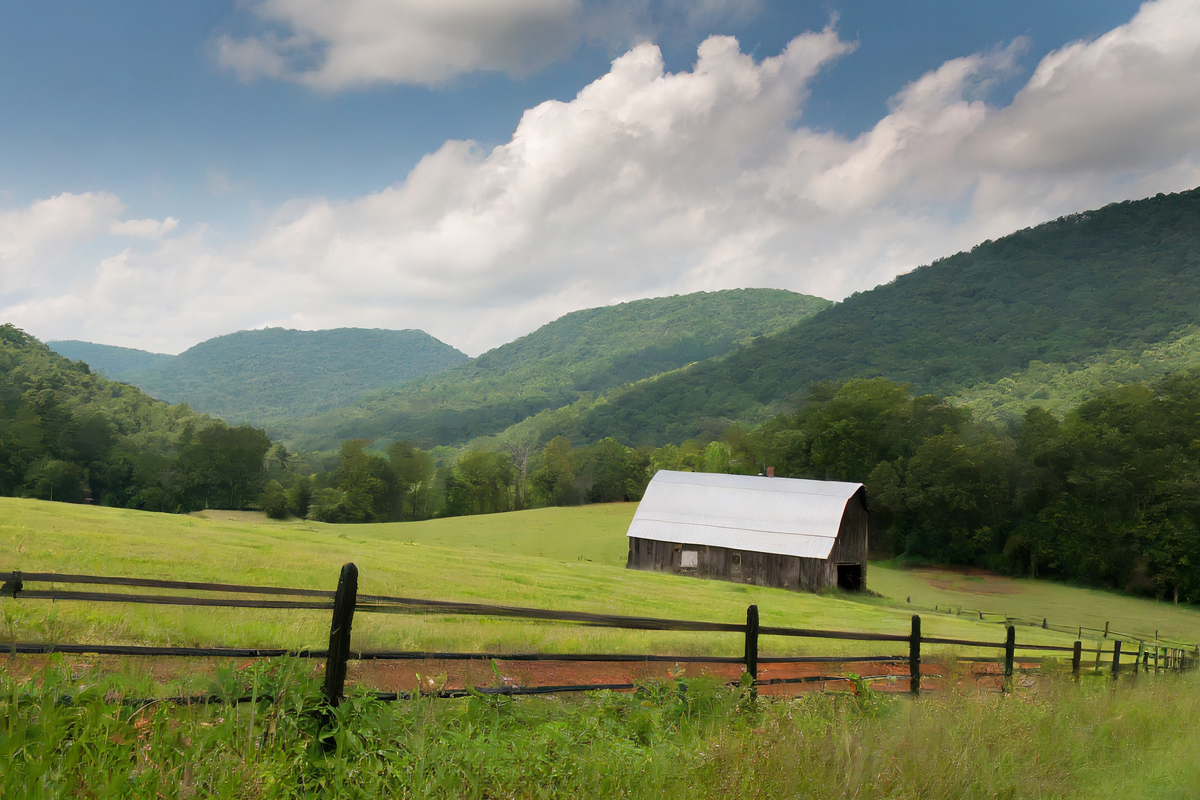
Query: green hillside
36	380
1061	387
580	354
109	360
268	377
67	433
1121	278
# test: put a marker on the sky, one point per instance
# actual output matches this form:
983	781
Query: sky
171	172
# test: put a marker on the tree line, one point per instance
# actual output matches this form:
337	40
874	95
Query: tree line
70	435
1108	495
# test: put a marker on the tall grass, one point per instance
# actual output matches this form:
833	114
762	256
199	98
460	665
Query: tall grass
63	734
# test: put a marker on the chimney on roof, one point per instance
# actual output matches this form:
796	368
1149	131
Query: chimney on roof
770	472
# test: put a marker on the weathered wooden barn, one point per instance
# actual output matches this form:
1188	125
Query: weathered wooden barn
795	534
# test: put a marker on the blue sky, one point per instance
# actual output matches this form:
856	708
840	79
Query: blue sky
174	171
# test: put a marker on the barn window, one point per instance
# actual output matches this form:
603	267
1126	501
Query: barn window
689	559
649	548
737	559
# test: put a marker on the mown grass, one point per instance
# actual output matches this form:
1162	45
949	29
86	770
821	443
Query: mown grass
569	558
679	739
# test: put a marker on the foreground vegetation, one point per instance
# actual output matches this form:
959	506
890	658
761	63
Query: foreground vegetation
65	735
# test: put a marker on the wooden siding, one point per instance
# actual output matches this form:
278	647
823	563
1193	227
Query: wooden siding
763	569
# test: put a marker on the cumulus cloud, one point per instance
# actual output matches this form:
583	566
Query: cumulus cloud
51	227
336	44
651	183
144	228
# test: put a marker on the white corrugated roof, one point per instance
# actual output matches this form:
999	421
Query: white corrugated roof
743	512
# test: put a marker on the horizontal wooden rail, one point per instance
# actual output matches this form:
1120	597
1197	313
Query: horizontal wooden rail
34	648
28	648
373	605
818	634
154	583
175	600
963	642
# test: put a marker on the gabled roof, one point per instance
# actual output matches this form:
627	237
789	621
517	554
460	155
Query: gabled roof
743	512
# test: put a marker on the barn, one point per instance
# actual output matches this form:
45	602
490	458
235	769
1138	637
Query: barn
794	534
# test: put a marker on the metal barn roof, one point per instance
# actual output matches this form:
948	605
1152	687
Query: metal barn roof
743	512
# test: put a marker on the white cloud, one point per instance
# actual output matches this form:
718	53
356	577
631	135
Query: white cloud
50	227
144	228
651	183
337	44
331	44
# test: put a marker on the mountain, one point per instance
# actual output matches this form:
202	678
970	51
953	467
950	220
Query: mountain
1123	278
110	361
33	376
576	356
269	377
68	433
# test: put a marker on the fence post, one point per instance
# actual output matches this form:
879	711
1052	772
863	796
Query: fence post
1076	655
1116	668
1137	661
914	657
752	646
1105	630
1010	646
339	634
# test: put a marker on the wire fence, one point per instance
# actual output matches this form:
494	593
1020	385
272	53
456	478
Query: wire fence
345	602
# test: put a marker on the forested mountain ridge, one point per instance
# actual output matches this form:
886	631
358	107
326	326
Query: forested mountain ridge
264	377
109	360
583	352
1125	276
69	434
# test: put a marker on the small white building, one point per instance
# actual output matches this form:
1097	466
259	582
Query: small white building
794	534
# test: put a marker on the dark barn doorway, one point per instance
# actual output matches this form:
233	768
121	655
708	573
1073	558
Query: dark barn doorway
850	577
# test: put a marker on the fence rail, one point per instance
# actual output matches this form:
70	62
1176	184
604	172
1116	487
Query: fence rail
345	602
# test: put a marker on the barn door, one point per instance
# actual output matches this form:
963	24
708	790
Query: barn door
849	577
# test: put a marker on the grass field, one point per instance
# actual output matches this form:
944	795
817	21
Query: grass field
571	558
62	734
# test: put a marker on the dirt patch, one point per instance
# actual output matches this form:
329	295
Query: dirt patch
433	675
967	580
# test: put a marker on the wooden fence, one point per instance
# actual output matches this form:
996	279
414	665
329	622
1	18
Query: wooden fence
345	602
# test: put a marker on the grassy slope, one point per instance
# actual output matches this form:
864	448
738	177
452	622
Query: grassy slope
555	558
267	377
33	369
584	352
1124	277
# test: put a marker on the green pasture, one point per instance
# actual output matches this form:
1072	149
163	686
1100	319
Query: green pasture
560	558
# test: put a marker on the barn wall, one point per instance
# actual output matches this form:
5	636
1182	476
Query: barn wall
851	545
762	569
